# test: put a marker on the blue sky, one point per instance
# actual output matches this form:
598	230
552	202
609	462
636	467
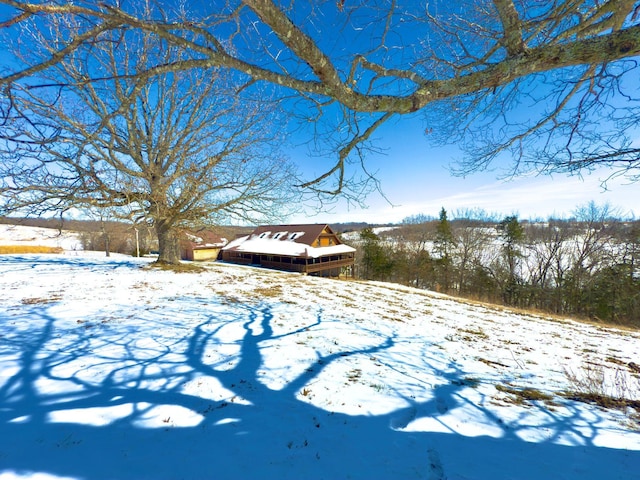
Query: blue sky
416	179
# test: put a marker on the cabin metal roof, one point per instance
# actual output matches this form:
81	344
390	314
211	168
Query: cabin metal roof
290	240
307	233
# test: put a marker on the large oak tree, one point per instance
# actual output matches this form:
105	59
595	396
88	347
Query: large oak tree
173	150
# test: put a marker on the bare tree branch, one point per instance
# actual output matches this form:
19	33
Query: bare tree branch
513	39
388	57
176	149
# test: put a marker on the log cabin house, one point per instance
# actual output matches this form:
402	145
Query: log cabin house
310	249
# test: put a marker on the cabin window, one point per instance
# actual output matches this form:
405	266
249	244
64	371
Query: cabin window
264	234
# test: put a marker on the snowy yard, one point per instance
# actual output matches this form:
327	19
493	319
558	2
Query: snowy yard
112	370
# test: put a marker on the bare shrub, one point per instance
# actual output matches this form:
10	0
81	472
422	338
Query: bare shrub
593	383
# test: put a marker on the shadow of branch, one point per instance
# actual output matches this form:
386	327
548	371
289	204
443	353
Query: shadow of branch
163	409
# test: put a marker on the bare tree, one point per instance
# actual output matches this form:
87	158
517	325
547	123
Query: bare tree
174	148
355	65
543	263
474	245
592	249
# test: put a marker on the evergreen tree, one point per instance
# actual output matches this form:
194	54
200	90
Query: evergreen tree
444	237
376	262
444	244
511	234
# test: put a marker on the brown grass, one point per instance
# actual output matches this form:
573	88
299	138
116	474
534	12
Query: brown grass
41	300
532	313
524	395
538	314
491	363
474	332
269	290
590	386
177	268
602	400
18	249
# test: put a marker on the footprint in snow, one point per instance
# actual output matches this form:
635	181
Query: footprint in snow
441	405
435	465
404	418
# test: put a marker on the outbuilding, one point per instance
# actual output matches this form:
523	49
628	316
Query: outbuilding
201	245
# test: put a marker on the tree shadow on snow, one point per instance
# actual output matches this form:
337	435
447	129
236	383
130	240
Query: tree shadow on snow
88	403
30	262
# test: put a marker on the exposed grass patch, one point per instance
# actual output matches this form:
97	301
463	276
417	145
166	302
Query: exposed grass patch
615	360
524	395
344	296
602	400
177	268
18	249
473	334
145	286
535	314
269	291
41	300
492	363
354	375
494	307
230	300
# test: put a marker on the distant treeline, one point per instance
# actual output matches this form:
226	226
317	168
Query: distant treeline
588	266
350	227
63	224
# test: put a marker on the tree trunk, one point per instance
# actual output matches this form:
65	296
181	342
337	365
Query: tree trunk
168	243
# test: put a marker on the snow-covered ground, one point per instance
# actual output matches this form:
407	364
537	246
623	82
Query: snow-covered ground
113	370
45	237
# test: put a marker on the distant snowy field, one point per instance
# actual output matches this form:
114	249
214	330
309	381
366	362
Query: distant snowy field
110	369
46	237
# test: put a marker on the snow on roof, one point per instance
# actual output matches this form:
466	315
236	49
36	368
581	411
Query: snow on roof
297	232
193	238
203	239
316	252
278	246
205	246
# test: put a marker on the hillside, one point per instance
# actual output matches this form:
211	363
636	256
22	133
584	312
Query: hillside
112	369
39	236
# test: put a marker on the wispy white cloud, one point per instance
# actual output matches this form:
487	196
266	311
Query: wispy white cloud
528	197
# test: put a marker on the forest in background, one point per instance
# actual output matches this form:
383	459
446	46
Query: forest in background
587	266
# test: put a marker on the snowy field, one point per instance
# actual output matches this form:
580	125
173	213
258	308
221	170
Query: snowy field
113	370
45	237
